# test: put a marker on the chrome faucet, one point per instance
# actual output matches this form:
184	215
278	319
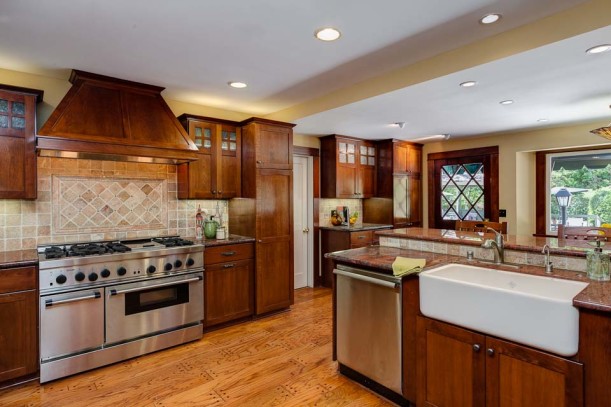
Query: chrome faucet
497	244
549	267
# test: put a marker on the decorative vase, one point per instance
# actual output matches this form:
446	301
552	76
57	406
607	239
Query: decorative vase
210	229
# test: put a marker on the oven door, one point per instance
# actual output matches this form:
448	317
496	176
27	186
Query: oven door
144	308
70	323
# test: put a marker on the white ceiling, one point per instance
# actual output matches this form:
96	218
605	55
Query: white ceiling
194	47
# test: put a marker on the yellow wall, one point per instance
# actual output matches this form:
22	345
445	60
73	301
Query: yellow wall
517	166
306	141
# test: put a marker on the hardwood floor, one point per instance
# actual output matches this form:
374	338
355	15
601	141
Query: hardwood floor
281	360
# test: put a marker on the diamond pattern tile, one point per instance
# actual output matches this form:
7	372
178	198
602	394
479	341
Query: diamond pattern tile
89	205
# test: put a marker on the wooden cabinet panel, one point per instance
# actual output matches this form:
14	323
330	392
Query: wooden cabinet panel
229	253
274	203
457	367
450	366
274	277
18	279
17	142
407	158
18	335
521	376
216	172
358	238
272	146
229	291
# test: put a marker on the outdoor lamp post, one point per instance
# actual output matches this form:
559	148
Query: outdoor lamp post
563	197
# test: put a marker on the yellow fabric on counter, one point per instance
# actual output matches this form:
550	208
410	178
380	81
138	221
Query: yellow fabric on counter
404	265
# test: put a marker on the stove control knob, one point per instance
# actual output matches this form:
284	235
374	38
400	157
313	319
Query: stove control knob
105	273
167	267
151	269
61	279
190	262
121	271
80	276
177	263
93	277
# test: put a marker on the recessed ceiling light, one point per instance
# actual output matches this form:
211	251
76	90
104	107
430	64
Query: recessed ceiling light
327	34
543	120
599	49
468	84
490	18
238	85
506	102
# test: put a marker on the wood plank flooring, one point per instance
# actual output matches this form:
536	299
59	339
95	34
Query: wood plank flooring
281	360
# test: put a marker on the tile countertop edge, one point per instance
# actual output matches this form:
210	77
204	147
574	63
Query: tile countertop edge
512	242
18	258
596	296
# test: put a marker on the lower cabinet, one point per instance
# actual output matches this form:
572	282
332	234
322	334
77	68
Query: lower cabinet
18	324
228	283
457	367
274	278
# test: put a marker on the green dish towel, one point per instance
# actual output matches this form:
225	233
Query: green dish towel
403	265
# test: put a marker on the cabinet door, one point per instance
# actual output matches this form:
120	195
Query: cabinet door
415	200
367	170
18	334
228	163
521	376
17	145
274	146
450	365
407	159
347	169
197	179
274	247
228	292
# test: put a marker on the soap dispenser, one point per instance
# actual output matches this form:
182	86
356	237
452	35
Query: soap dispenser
597	264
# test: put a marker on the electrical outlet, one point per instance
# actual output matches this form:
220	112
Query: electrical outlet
502	213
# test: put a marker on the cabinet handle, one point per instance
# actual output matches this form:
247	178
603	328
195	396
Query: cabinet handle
232	253
228	266
360	237
259	162
490	352
476	347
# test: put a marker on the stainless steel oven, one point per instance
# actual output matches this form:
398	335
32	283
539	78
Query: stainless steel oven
142	308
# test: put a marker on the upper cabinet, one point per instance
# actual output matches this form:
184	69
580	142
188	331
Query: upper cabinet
398	158
407	158
216	172
18	141
268	143
348	167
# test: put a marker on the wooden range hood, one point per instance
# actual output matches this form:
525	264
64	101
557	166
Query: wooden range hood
113	119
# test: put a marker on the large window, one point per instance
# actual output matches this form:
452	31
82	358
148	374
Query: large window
578	189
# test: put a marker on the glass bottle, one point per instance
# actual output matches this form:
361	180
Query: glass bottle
199	223
597	265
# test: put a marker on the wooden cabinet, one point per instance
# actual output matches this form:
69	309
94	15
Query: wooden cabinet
228	283
266	212
399	185
216	172
18	142
348	167
334	240
457	367
18	323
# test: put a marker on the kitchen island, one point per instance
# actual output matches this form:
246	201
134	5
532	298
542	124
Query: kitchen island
439	247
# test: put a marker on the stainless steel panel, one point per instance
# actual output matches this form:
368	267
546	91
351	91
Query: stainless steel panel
79	363
121	327
369	327
71	323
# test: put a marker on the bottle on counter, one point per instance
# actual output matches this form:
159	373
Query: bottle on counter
199	223
597	265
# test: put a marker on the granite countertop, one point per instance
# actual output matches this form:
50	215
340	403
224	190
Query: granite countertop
357	228
232	239
18	258
533	244
596	296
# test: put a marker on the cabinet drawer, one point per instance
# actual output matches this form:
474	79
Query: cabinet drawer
362	238
222	254
18	279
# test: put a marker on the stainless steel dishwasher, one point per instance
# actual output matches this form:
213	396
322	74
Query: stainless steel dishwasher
368	325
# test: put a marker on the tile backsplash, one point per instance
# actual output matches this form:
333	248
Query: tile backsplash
325	206
89	200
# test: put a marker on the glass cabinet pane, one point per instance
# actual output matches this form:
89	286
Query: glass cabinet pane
342	148
233	146
371	151
207	133
207	144
363	160
224	135
224	146
18	122
342	158
350	158
372	161
351	148
363	150
18	108
232	136
3	121
3	106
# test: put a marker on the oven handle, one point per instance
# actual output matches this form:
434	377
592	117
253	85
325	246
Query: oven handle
149	287
93	296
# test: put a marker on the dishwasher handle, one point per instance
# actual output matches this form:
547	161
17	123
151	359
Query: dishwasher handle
367	279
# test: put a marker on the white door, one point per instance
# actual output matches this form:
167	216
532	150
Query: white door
303	219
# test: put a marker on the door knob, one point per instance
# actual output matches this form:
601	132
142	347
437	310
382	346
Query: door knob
306	230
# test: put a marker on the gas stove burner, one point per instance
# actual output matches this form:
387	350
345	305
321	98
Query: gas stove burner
87	249
172	241
54	252
117	247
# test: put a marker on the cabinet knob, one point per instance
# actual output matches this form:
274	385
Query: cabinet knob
490	352
260	241
214	192
220	192
476	347
259	162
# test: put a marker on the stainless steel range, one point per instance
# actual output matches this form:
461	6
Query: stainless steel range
104	302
